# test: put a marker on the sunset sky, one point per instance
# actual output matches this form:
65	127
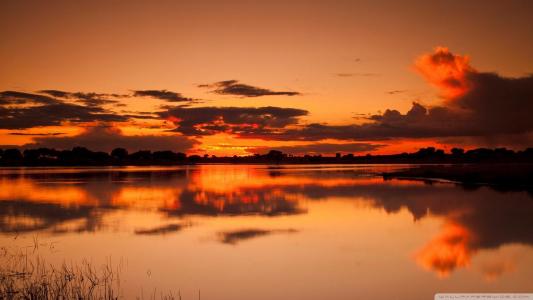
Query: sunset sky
241	77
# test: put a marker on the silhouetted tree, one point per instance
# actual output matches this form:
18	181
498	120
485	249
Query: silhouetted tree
181	156
458	152
12	155
275	155
141	155
195	158
32	155
100	157
84	156
165	155
119	153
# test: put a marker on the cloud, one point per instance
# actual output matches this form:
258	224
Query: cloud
102	138
89	99
418	122
320	148
477	104
18	98
36	134
233	87
163	95
446	70
19	110
212	120
493	270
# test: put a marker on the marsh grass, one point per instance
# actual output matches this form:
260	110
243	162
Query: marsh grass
26	275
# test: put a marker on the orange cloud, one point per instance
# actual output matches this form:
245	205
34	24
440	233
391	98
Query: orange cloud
447	71
449	250
496	269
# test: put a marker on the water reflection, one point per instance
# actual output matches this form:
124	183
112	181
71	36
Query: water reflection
169	228
234	237
60	201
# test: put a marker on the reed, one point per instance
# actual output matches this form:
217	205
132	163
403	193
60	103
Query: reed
26	275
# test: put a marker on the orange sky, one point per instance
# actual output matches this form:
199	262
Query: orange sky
345	59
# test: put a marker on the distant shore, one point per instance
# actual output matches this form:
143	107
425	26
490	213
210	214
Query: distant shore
501	176
80	156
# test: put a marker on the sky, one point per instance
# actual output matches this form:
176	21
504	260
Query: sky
243	77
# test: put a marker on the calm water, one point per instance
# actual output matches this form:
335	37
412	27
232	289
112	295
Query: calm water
273	232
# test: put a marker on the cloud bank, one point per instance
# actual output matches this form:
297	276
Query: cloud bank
105	138
477	104
19	110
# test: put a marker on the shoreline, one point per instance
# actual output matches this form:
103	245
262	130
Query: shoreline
501	176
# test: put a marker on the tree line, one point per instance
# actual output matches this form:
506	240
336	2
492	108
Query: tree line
81	156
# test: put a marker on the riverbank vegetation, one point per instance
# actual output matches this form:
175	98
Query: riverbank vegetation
79	156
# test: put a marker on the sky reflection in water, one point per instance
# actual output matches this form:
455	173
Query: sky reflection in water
342	220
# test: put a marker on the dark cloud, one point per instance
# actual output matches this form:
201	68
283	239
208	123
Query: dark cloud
320	148
89	99
478	104
234	237
141	116
19	98
211	120
102	138
53	115
275	123
149	115
418	122
493	107
233	87
36	134
498	105
20	110
163	95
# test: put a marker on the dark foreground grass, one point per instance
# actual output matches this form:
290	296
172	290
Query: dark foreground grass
24	274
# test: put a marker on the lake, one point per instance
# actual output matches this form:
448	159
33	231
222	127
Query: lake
273	232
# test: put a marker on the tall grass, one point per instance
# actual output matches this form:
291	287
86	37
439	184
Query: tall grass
25	275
